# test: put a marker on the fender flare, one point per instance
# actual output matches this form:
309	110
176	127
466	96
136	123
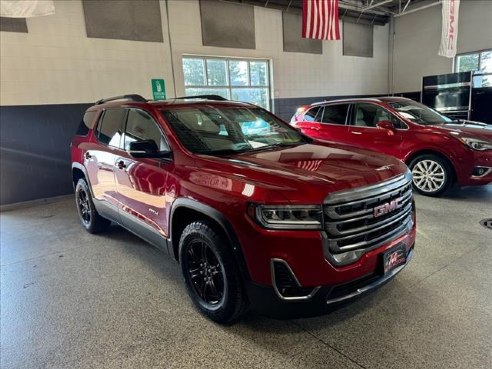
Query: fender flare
76	165
222	221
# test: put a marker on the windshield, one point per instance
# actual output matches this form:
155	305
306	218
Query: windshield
223	130
419	113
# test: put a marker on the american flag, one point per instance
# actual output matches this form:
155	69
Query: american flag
320	19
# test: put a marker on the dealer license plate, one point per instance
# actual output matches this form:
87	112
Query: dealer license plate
394	258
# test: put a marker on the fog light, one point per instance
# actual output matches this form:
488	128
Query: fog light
480	171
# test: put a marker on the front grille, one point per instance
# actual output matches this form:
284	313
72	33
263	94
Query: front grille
368	217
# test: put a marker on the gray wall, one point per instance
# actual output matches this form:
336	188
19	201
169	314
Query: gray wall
35	152
227	25
123	20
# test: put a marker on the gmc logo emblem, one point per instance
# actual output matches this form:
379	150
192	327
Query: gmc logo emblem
388	207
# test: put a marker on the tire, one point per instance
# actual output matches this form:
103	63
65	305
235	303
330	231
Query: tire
89	217
211	276
432	175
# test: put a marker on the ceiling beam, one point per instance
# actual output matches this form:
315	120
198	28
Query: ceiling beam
413	10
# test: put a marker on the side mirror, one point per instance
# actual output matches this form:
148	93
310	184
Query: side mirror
147	149
385	124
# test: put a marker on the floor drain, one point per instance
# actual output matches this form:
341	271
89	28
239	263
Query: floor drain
487	223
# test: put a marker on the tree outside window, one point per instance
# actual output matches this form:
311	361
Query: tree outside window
480	63
236	79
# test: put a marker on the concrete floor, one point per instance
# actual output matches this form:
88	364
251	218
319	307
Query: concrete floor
73	300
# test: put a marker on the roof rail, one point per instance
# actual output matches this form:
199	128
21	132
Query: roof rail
132	97
207	97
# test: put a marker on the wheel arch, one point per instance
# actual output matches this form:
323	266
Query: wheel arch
408	160
185	211
78	172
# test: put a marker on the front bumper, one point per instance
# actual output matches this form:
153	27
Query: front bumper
323	300
467	166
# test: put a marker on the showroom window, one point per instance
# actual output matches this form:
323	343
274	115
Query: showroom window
235	79
480	63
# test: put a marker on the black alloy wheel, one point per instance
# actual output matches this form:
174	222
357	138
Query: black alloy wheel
89	217
210	272
84	206
205	272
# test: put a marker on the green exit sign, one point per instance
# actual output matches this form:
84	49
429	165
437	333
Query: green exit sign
159	89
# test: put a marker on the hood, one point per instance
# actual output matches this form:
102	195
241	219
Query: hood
470	129
308	172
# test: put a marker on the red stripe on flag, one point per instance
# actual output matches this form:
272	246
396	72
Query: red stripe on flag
320	19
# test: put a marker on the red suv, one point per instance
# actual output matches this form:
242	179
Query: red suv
257	214
438	150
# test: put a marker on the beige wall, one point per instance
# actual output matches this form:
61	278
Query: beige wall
418	35
56	63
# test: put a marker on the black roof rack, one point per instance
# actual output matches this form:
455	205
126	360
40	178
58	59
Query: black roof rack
207	97
132	97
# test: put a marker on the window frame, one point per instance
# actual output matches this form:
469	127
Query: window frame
230	87
153	120
347	114
474	72
353	114
100	120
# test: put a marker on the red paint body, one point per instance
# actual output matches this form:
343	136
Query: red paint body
147	188
405	144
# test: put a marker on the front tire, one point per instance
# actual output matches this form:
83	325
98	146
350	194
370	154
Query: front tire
210	273
432	175
89	217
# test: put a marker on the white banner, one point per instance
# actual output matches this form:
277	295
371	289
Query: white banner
26	8
449	34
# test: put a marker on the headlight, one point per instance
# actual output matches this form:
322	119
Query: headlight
287	216
476	144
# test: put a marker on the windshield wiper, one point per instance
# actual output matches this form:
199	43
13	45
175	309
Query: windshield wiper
275	146
221	152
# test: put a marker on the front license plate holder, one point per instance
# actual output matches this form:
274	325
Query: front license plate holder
394	258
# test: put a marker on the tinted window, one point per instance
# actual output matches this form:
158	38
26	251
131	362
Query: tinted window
86	123
335	114
141	127
310	115
369	115
110	128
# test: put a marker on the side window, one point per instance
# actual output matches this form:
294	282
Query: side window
310	115
110	128
141	127
369	115
335	114
86	123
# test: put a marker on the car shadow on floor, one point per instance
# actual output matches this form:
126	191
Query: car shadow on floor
469	194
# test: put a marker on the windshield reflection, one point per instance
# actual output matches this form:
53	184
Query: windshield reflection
229	130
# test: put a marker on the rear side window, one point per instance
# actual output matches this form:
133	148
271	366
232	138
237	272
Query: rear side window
310	115
141	127
110	128
335	114
86	123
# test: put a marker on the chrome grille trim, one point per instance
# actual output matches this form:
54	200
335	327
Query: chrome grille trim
332	226
349	216
407	223
367	191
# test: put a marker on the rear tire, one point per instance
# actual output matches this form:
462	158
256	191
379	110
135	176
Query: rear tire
432	175
210	273
89	217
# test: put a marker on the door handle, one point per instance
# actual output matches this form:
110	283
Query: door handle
356	133
88	155
121	164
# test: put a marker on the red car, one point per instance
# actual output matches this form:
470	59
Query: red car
257	214
438	150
